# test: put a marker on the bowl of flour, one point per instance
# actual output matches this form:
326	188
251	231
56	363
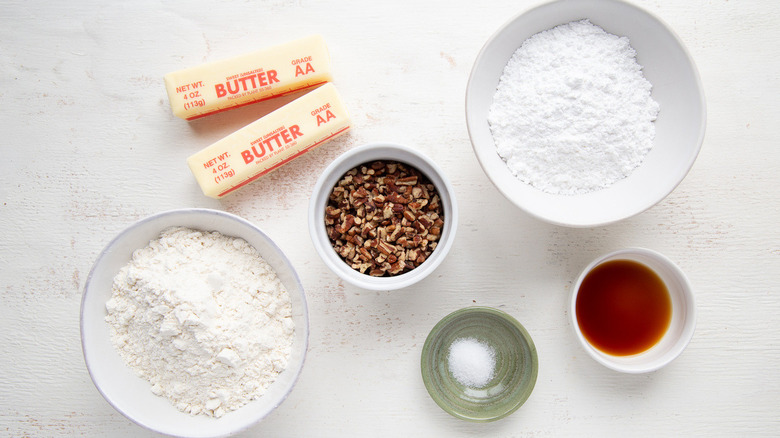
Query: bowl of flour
194	323
584	113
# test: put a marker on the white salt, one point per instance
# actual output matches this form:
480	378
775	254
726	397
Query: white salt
472	362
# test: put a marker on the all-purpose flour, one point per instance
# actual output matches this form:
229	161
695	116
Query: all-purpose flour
572	112
202	317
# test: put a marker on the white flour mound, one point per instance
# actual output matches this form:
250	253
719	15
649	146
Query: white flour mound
202	317
572	112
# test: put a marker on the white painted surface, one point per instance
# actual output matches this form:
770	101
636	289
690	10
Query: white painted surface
89	146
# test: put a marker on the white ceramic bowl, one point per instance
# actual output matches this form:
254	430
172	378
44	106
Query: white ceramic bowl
676	87
130	394
364	154
681	327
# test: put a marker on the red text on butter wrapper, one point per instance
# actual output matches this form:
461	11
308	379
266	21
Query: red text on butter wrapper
323	114
246	83
268	142
299	69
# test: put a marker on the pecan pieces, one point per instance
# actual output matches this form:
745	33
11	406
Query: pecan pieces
384	218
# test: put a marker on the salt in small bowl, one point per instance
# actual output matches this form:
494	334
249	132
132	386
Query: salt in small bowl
516	364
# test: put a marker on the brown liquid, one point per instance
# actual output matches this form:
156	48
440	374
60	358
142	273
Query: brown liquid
623	307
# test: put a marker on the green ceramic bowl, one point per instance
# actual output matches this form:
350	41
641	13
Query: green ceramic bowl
515	372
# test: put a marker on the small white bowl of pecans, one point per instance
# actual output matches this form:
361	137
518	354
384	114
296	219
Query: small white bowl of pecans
382	216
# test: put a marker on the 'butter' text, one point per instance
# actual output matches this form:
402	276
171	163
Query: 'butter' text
246	83
261	147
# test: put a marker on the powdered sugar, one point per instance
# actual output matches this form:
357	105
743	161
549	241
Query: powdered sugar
202	317
572	112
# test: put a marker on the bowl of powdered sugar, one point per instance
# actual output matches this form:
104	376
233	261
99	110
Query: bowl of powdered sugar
584	113
194	323
479	364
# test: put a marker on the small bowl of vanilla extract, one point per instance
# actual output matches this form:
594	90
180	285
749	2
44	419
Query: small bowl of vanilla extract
633	310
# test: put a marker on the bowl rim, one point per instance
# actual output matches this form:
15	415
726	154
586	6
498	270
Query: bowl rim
471	127
173	212
686	293
504	316
366	153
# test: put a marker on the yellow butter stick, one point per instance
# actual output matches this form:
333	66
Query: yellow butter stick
270	142
217	86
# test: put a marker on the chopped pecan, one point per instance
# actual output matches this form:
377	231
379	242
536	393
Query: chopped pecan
385	248
425	221
407	181
396	268
364	254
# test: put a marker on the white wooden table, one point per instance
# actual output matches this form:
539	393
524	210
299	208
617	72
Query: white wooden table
90	146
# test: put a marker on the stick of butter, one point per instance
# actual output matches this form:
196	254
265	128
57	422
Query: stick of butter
273	72
270	142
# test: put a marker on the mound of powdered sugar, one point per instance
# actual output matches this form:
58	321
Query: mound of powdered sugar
202	317
572	112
